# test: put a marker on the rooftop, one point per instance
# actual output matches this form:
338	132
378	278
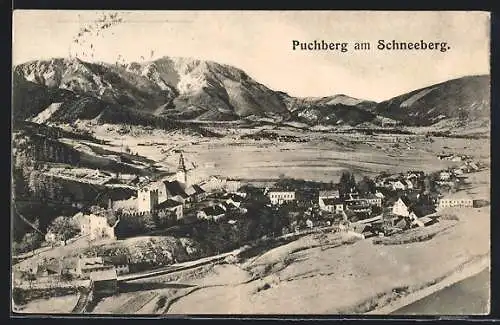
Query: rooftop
329	193
116	260
281	189
175	188
168	204
91	261
332	201
213	210
406	200
194	189
457	196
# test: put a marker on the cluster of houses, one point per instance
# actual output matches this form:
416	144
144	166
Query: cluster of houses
395	199
179	194
102	271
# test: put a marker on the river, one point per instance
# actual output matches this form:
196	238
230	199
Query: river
467	297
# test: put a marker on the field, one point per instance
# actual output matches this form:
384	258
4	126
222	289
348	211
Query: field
55	305
323	155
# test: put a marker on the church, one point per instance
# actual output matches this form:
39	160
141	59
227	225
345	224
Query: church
180	189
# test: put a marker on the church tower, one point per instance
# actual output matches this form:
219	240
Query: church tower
182	176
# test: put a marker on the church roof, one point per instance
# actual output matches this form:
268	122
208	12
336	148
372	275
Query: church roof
175	188
194	189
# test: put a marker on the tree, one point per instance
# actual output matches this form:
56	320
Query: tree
347	182
30	242
429	184
28	276
366	185
165	218
64	227
352	182
147	222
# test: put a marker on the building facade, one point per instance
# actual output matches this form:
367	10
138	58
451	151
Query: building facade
280	197
332	205
401	207
456	202
147	199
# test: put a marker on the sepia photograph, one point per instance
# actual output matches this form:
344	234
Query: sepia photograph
250	163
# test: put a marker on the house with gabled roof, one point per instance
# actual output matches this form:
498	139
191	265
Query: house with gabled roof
88	265
332	205
174	206
402	206
373	199
196	193
235	200
329	194
173	190
398	185
120	263
214	212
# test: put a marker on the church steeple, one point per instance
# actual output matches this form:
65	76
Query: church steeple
182	171
182	164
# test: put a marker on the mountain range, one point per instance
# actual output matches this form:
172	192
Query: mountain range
171	89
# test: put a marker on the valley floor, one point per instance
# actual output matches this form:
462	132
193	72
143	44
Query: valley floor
322	155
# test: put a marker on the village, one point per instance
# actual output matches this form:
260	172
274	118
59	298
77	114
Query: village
178	204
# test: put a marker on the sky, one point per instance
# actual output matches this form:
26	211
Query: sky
260	43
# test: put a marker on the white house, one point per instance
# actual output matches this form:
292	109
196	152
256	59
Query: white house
94	226
398	185
235	200
196	193
89	265
474	166
281	196
460	202
332	205
214	213
232	185
174	206
329	194
213	183
373	199
173	190
409	184
402	207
